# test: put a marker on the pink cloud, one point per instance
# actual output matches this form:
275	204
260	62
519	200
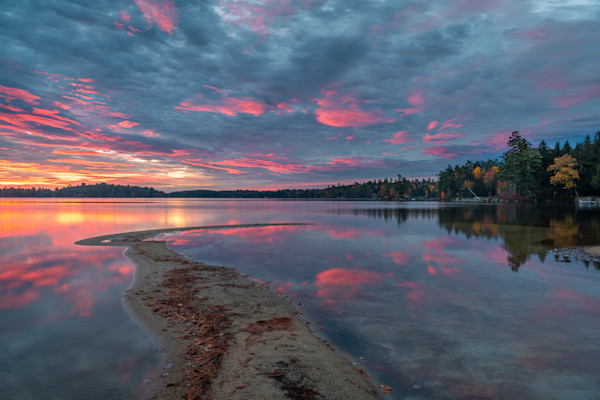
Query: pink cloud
77	152
228	170
431	271
121	26
286	106
442	137
150	133
125	19
9	94
344	111
416	101
88	163
61	105
124	16
339	163
283	165
12	108
499	139
128	124
50	118
450	124
400	137
123	125
441	151
162	12
432	125
228	106
274	164
216	89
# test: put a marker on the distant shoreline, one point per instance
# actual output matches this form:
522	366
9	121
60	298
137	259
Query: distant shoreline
222	335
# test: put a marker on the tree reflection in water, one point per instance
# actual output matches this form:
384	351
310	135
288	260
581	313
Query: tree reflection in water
525	230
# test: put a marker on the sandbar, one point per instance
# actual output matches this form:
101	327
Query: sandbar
224	336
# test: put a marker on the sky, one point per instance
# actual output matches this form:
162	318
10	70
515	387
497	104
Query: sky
265	94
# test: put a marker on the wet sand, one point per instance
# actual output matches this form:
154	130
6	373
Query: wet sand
224	336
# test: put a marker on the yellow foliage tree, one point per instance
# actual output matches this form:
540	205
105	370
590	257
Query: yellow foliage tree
564	170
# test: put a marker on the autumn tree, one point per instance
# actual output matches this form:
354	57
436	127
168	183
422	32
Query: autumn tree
490	179
565	172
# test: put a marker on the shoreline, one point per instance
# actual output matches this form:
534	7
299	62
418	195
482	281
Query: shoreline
585	254
223	336
594	251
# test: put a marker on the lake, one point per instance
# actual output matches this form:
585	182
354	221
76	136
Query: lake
438	301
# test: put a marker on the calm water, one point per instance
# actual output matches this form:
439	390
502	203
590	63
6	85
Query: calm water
437	301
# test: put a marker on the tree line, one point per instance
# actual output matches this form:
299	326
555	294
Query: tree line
103	190
387	189
523	172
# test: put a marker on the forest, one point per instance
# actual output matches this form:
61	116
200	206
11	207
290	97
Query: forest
523	173
103	190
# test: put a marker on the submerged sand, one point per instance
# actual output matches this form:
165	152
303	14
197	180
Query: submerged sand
224	336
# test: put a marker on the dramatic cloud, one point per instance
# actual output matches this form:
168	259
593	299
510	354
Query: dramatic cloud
220	94
344	111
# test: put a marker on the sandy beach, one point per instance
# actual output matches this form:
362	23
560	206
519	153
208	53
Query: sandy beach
223	336
595	251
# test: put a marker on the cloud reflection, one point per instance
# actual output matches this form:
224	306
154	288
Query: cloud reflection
343	284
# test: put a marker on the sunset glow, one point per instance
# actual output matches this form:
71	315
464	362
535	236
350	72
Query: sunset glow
243	94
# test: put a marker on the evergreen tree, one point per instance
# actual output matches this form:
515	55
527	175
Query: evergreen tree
519	168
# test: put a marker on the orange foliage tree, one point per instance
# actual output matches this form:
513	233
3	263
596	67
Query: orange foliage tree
564	170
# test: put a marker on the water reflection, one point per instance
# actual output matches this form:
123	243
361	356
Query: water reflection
426	297
525	230
423	292
64	332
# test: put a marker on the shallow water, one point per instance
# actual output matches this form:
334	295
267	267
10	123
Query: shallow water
440	301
